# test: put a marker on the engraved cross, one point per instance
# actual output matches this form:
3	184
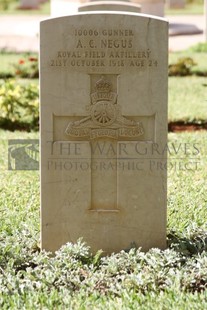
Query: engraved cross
104	126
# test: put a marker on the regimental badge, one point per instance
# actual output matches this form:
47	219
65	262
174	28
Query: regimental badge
104	117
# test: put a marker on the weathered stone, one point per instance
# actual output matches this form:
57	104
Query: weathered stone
152	7
29	4
175	4
103	131
110	6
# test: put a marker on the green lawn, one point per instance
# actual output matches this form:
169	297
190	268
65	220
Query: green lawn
199	58
192	7
187	186
187	95
187	99
172	279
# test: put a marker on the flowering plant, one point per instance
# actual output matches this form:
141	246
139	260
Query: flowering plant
27	67
19	105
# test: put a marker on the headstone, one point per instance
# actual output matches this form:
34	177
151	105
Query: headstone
175	4
110	6
29	4
152	7
103	131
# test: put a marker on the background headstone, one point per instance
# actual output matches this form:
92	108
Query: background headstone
152	7
66	7
29	4
175	4
110	6
103	131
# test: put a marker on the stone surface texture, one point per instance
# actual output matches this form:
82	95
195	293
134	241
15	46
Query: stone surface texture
175	4
110	6
103	83
151	7
29	4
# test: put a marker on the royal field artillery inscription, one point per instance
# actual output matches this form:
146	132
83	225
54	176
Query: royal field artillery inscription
103	108
104	48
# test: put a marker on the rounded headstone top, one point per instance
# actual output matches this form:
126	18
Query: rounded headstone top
110	6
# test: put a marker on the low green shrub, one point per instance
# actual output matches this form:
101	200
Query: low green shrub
4	4
194	1
26	271
19	105
182	67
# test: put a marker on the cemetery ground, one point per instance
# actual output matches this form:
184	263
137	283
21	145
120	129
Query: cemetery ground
175	278
172	279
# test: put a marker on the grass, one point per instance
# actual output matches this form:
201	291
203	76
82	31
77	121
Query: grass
192	7
189	9
187	200
187	99
187	95
199	58
44	9
73	279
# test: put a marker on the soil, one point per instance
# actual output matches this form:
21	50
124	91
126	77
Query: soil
182	126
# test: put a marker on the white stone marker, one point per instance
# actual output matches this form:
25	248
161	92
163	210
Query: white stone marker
110	6
103	131
29	4
175	4
152	7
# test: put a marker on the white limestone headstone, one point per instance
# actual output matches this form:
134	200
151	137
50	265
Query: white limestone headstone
29	4
103	79
175	4
110	6
152	7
